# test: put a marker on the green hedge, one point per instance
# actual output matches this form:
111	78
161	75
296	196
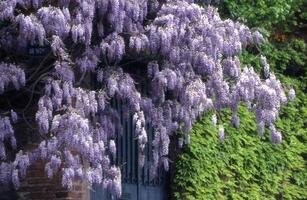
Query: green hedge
288	57
271	15
245	166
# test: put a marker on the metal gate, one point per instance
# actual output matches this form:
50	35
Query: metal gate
136	183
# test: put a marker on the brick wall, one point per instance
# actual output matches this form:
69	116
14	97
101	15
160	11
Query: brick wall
38	186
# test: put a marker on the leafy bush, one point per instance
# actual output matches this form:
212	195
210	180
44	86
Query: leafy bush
272	15
245	166
287	58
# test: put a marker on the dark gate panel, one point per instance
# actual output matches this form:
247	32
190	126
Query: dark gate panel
136	181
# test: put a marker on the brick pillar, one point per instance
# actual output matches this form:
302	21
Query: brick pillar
38	186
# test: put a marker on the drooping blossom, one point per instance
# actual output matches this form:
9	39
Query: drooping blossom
213	120
221	133
266	66
291	94
185	53
11	74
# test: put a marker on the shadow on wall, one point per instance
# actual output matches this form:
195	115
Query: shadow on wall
8	195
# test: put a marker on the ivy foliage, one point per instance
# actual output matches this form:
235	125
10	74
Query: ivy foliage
289	57
245	166
271	15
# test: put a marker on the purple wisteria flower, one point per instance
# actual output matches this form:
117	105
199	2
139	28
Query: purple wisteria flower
190	62
221	134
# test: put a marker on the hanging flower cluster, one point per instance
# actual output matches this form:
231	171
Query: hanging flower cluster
266	66
10	172
30	29
11	74
139	120
7	132
192	66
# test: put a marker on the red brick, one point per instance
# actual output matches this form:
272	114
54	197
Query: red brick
37	186
36	173
41	195
75	195
45	181
61	194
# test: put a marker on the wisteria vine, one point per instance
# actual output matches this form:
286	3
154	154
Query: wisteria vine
192	66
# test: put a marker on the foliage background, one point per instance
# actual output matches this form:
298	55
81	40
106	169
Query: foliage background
245	166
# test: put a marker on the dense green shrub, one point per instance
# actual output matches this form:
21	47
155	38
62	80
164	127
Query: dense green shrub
245	166
277	15
287	58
